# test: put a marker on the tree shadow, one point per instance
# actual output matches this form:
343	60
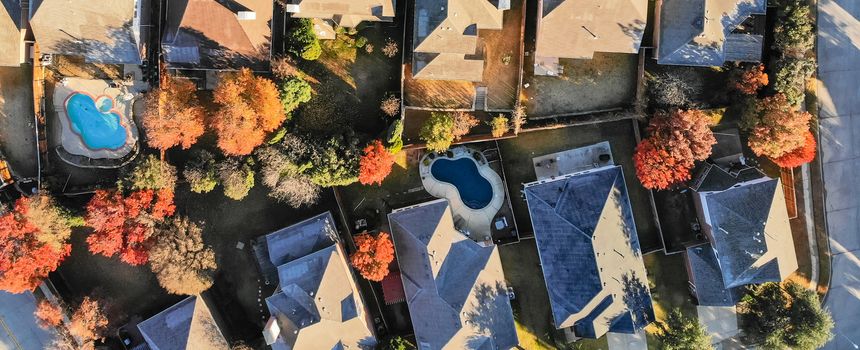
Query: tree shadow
637	297
491	314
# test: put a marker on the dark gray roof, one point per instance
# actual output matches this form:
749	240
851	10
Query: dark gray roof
708	280
589	251
301	239
186	325
454	286
749	230
699	32
711	177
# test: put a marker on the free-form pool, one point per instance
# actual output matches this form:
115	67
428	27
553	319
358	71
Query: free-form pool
95	121
475	190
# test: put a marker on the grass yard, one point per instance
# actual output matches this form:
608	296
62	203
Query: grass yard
517	154
667	278
606	81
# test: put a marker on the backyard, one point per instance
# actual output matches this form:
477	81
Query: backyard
604	82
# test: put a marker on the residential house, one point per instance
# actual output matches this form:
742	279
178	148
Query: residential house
455	288
11	33
589	252
445	42
317	304
743	215
343	13
187	325
708	32
108	31
218	35
579	28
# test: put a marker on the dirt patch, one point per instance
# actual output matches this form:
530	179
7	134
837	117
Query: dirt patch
604	82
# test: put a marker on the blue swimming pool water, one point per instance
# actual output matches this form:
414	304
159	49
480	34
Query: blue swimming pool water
98	127
475	191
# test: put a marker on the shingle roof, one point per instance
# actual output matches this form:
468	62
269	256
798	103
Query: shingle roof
454	286
589	252
445	37
208	34
186	325
748	227
579	28
346	13
708	280
100	31
10	33
317	304
699	32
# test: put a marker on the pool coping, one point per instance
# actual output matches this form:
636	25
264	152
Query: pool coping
476	222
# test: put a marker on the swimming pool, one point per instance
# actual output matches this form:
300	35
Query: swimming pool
95	120
475	191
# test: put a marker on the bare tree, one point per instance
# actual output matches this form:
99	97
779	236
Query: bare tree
180	259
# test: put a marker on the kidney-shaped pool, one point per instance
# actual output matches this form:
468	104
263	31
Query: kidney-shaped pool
475	190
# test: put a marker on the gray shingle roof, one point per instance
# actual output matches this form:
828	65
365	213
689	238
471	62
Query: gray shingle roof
100	31
317	305
590	253
748	227
186	325
10	33
708	280
698	32
454	286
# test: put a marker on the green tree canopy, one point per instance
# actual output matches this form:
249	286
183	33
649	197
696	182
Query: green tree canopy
786	316
682	333
294	92
438	131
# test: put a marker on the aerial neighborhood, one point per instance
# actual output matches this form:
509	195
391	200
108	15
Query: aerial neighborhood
429	174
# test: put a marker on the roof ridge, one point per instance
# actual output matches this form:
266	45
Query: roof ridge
559	216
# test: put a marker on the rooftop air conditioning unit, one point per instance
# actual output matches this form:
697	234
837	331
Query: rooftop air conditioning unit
246	15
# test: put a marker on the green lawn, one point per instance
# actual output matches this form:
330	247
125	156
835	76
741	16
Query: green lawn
667	278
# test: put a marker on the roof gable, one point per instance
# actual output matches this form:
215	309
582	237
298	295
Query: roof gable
186	325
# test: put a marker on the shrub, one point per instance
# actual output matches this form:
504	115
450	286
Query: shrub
390	106
438	131
748	81
48	314
791	76
89	322
201	172
304	40
375	164
149	173
463	124
285	67
670	90
794	33
294	92
237	178
284	177
360	42
499	125
682	333
518	118
390	49
394	138
368	48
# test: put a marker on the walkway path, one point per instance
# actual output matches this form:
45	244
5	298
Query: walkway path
839	94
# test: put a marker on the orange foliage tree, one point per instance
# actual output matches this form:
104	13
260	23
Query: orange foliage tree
750	80
172	115
89	322
372	255
798	156
375	164
125	225
677	140
28	252
776	128
48	314
248	108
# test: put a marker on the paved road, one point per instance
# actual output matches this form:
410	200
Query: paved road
18	330
839	92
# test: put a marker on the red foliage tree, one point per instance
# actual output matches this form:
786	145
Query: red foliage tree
375	164
249	107
125	225
372	255
656	168
798	156
26	257
750	80
677	140
48	314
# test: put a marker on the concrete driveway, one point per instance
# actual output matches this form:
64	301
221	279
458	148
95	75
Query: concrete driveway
18	329
839	96
721	322
620	341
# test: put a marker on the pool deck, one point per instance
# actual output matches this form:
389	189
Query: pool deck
476	222
123	96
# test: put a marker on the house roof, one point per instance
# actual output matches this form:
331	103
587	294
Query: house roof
445	37
579	28
209	34
186	325
589	252
708	280
345	13
750	232
699	32
455	288
301	239
100	31
10	33
318	305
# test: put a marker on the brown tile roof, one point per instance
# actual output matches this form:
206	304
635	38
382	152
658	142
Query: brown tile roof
579	28
100	31
445	38
346	13
209	34
10	34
